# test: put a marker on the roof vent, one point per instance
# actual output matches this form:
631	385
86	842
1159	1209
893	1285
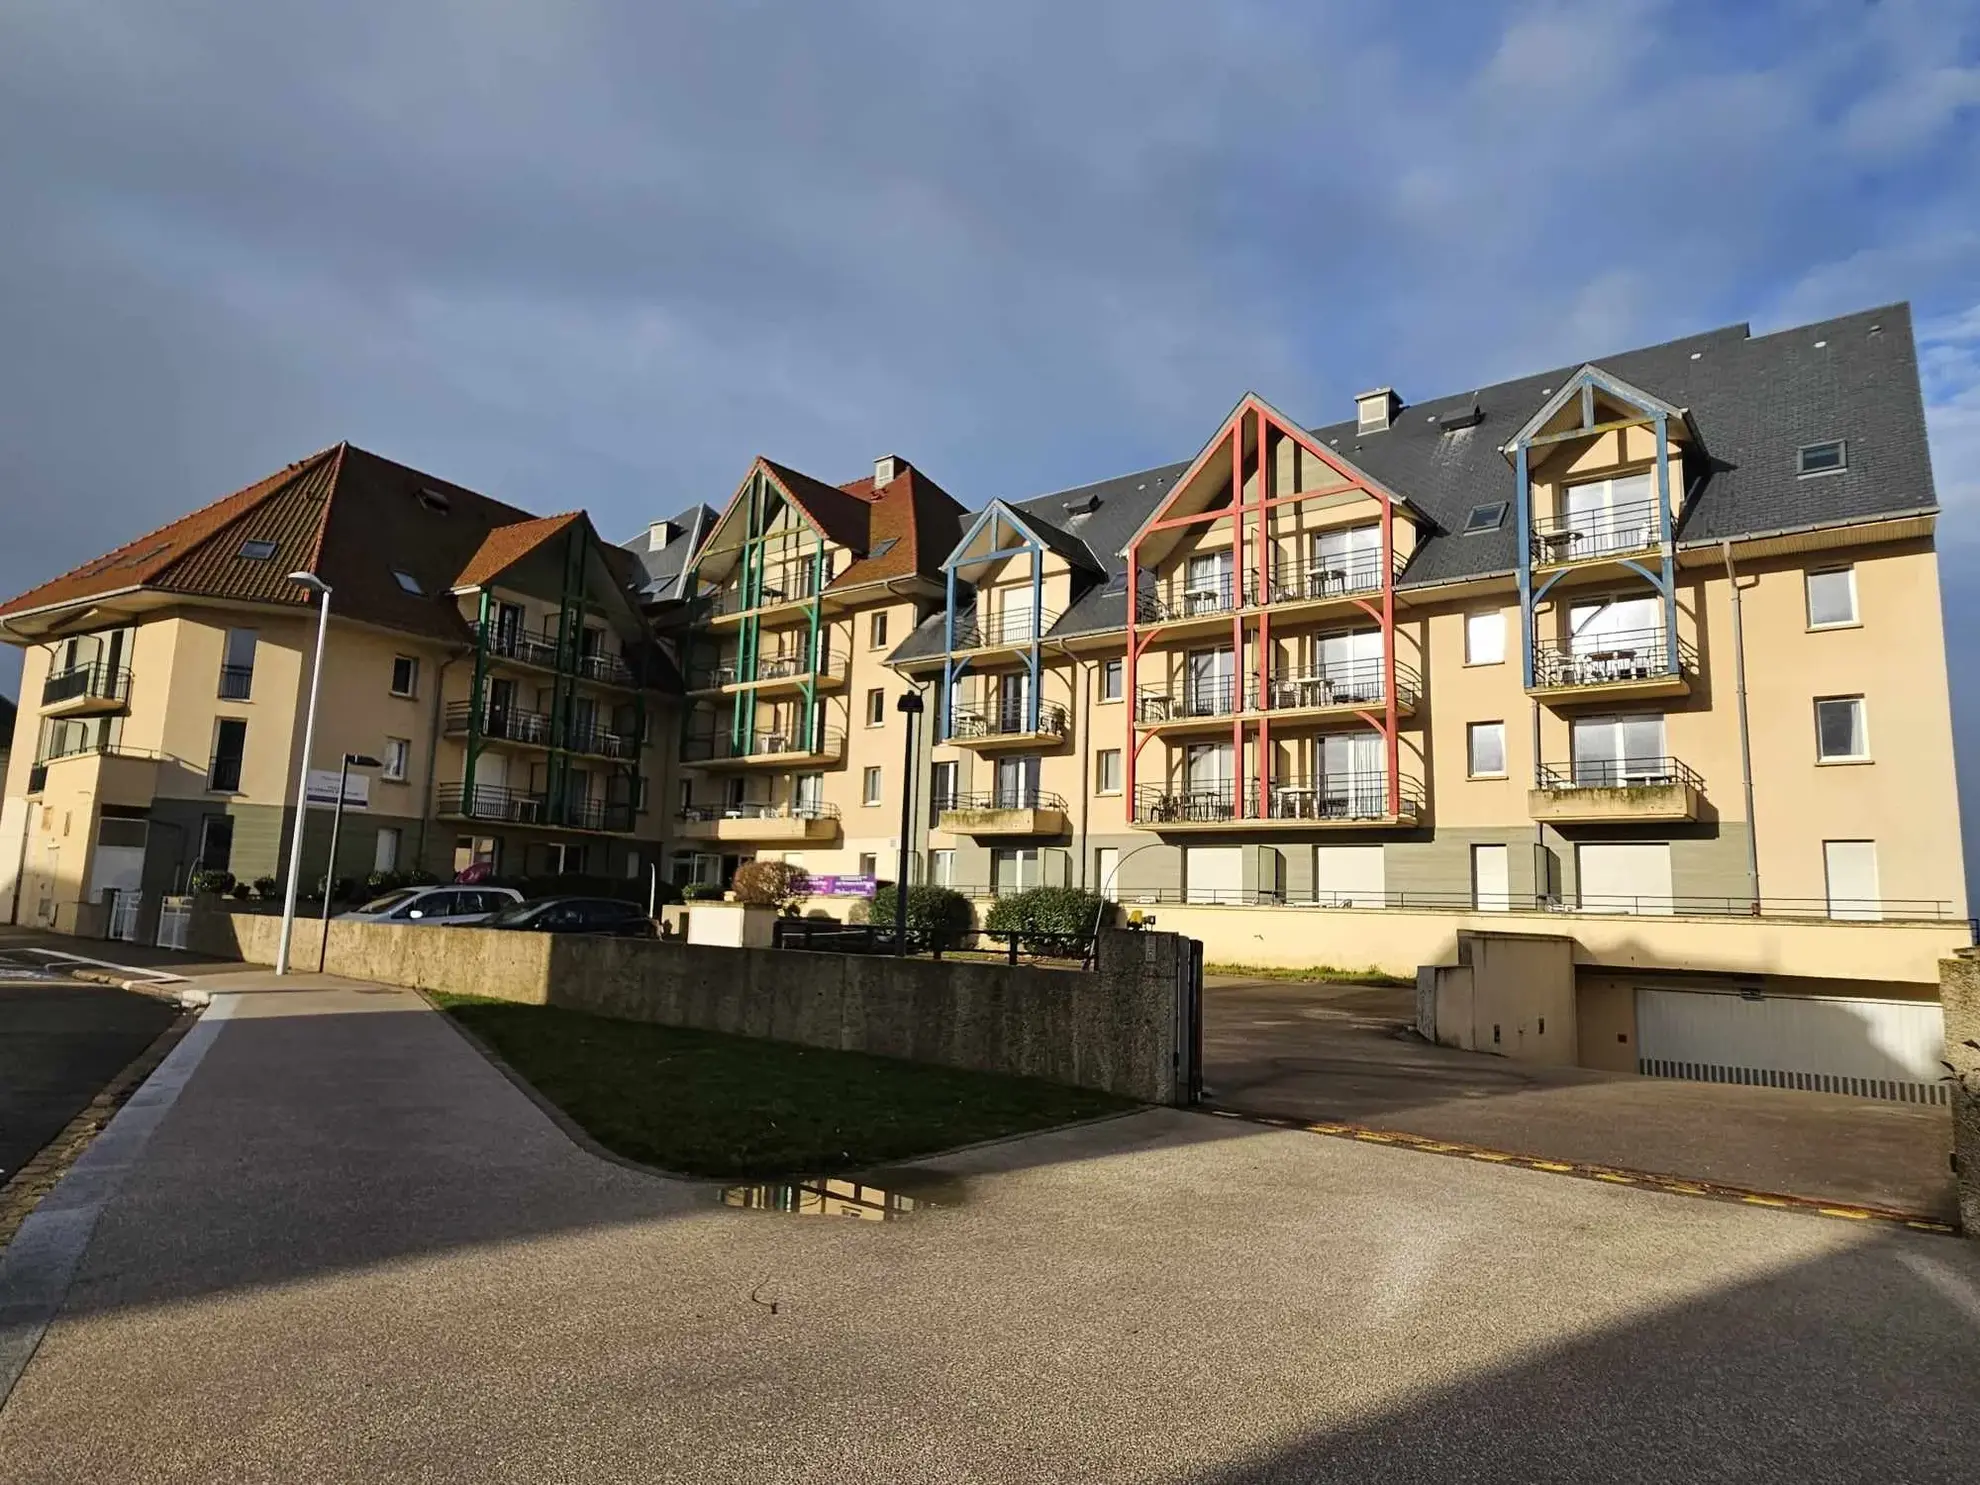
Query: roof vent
435	500
1085	505
657	535
1471	417
887	468
1376	410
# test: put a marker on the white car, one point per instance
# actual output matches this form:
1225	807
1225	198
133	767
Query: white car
444	904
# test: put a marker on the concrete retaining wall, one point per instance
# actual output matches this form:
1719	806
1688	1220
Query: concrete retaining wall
1115	1029
1959	993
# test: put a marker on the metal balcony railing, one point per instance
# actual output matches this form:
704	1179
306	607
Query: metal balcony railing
1314	577
513	724
1179	596
524	807
236	681
1208	696
1601	660
1288	580
704	747
768	668
1014	797
1349	683
528	647
789	584
96	680
1008	627
1011	721
1317	800
1619	529
1619	773
753	810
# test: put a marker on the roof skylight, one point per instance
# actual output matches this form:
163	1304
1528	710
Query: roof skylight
257	549
407	581
1487	517
1831	457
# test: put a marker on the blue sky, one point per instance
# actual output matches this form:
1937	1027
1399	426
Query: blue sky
583	252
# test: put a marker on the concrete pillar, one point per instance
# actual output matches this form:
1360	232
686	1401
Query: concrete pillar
1959	993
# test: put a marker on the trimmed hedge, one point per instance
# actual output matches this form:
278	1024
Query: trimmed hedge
930	910
1039	913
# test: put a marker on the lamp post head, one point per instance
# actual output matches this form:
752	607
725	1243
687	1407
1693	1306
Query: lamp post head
909	702
311	581
361	760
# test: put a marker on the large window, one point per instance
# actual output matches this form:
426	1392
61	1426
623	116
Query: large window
237	665
1832	598
1486	750
1840	733
1614	752
1012	869
1485	638
223	774
942	785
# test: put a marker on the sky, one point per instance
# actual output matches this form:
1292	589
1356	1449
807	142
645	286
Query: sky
602	253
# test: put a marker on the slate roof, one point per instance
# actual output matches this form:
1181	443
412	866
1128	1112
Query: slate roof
1754	401
664	565
345	514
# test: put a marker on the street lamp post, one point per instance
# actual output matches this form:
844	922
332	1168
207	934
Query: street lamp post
1114	872
362	760
910	708
317	586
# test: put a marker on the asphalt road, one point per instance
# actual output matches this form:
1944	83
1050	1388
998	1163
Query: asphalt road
1334	1052
61	1041
353	1252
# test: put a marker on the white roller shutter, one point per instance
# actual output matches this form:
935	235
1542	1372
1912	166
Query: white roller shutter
1213	874
1349	876
1870	1048
1631	878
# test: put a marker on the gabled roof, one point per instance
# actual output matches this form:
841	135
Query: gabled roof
912	524
1595	378
841	515
666	565
505	546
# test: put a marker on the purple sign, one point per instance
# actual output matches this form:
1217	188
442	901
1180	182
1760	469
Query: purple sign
841	886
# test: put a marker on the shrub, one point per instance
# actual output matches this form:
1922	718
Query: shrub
1038	914
775	884
420	877
266	887
387	881
214	883
240	891
701	892
930	910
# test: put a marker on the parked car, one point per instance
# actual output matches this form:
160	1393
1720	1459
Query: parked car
596	915
447	904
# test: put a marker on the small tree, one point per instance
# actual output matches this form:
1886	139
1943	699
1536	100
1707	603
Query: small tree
775	884
931	911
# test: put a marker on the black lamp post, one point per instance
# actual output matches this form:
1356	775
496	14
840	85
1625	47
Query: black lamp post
909	706
361	760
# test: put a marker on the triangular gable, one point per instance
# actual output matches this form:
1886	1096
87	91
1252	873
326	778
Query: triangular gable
1583	387
833	514
505	546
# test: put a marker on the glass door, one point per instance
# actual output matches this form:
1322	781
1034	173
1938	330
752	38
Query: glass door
1345	560
1209	683
1207	583
1350	778
1017	783
1616	752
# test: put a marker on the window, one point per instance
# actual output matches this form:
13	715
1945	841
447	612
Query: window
869	865
1110	679
223	775
632	865
869	792
1831	457
687	795
408	582
1840	734
256	550
1485	638
385	850
876	708
942	868
474	850
1107	771
876	632
397	751
1850	869
1013	868
1617	752
942	786
1486	750
237	665
405	675
1832	598
1488	517
216	843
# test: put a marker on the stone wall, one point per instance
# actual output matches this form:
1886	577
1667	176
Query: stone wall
1116	1029
1959	993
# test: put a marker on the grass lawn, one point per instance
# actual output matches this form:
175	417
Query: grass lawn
707	1104
1316	972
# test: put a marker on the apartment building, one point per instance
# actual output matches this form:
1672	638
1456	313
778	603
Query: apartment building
1657	635
793	746
496	666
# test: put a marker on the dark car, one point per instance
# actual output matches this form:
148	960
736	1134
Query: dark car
596	915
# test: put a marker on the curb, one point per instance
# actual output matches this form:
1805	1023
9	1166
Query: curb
1613	1175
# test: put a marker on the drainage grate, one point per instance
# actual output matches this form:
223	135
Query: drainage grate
1890	1090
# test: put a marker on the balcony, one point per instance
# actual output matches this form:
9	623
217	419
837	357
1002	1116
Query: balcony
780	749
110	773
780	588
533	730
236	682
1299	804
500	806
539	651
1009	629
765	823
37	778
1007	727
1595	535
93	690
776	675
1600	791
1017	811
1611	667
1334	690
1196	703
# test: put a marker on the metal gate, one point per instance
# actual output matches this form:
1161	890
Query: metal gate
174	918
124	906
1888	1049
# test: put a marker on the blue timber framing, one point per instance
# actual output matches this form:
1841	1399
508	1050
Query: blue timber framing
1648	412
953	666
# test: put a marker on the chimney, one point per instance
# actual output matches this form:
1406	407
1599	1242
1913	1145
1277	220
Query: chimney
886	468
1376	410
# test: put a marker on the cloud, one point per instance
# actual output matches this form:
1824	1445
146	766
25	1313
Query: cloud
1949	366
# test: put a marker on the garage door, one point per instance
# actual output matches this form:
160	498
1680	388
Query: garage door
1870	1048
1624	878
1349	876
1214	873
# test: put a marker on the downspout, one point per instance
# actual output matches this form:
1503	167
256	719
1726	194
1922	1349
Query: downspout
1745	737
1082	752
433	755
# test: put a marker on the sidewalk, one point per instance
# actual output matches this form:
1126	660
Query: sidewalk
350	1250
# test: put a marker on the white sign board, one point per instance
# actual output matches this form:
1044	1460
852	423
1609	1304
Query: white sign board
322	789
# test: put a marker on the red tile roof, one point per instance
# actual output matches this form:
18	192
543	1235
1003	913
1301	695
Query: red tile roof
924	521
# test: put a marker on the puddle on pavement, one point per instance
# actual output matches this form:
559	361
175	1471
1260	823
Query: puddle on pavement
878	1196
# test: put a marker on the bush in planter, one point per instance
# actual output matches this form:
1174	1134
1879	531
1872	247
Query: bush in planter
701	892
931	911
212	883
773	884
240	891
266	888
1039	915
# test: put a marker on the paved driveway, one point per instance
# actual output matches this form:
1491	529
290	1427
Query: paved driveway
351	1251
1343	1052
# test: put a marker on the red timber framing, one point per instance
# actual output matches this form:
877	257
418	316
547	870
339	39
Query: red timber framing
1251	606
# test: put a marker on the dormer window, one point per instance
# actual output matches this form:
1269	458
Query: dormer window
1831	457
1376	410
